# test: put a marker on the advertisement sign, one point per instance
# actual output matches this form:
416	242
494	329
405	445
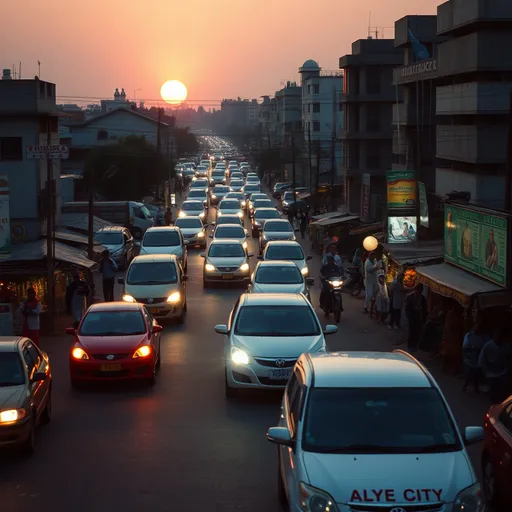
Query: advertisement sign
365	198
476	241
5	217
402	230
54	152
401	190
422	193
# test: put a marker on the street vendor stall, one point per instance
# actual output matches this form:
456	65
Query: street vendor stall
335	226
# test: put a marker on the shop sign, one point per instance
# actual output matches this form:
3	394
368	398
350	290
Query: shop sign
365	198
419	69
477	241
5	217
422	193
401	190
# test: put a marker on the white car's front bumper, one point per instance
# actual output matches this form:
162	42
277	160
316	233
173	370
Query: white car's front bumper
260	373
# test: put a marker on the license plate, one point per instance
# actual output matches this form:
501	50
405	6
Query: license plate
110	367
227	276
282	374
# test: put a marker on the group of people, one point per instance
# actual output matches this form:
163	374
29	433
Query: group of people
300	218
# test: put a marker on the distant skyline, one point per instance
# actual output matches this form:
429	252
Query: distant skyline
221	49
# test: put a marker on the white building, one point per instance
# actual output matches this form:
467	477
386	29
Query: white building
119	101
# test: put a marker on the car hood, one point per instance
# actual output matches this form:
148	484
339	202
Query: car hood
173	249
279	346
11	397
146	291
111	344
279	288
234	211
359	479
191	231
226	262
279	235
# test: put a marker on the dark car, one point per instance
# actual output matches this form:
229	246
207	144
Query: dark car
259	218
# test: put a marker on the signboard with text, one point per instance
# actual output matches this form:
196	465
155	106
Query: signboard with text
5	216
401	190
54	152
477	241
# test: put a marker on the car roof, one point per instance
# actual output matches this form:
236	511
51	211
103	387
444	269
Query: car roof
367	370
225	241
273	299
273	243
266	209
277	263
281	221
229	199
229	225
115	306
10	343
110	229
266	198
154	258
162	228
192	201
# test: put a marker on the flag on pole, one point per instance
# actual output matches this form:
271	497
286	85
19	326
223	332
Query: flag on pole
419	49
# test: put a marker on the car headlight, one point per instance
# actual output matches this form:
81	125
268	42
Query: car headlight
242	203
312	498
128	298
194	178
182	214
200	234
244	267
240	214
79	353
201	215
257	224
143	351
174	298
244	245
209	268
469	500
336	284
304	271
12	415
285	203
239	356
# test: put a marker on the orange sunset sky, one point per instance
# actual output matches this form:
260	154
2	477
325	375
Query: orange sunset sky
218	48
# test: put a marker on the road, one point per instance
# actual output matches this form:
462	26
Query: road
179	446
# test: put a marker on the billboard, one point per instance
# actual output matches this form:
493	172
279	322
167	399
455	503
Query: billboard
401	190
5	217
365	198
402	230
477	241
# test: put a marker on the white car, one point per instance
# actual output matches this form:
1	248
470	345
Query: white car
278	229
193	208
260	216
266	334
237	175
230	207
230	232
251	188
198	194
236	185
219	192
199	183
237	195
252	180
193	230
165	240
287	251
371	431
226	261
228	219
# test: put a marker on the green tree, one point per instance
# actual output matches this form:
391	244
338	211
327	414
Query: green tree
126	170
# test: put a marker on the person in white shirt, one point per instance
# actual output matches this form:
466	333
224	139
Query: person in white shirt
31	309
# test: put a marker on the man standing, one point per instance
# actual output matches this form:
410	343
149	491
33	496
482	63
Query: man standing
168	216
370	281
31	309
108	269
416	311
77	294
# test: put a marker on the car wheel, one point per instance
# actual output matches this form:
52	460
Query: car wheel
281	493
490	490
181	318
46	417
28	448
229	391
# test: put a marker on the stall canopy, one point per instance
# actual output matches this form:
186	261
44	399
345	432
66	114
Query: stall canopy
412	254
72	237
80	222
452	282
334	221
324	216
364	229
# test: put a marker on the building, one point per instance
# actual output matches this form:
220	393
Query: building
253	114
119	101
289	110
235	113
28	116
368	99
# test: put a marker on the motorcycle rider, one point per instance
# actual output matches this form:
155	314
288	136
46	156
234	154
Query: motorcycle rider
328	271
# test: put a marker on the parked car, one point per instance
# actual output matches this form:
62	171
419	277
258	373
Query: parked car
119	242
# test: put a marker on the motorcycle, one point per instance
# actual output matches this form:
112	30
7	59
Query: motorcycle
354	283
335	303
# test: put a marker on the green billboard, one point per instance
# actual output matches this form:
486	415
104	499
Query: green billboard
477	241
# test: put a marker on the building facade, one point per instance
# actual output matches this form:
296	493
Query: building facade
368	101
119	101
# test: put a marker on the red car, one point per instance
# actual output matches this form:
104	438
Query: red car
497	455
115	341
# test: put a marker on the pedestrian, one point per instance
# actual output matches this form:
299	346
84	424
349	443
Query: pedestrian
381	298
291	216
304	220
370	281
78	294
416	311
397	301
108	269
168	216
474	342
31	309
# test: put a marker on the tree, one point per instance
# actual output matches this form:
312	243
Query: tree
126	170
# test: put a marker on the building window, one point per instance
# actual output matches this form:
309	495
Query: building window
316	126
373	118
316	108
309	88
309	108
102	135
373	80
316	88
11	148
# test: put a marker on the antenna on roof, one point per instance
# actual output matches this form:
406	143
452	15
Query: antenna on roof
369	25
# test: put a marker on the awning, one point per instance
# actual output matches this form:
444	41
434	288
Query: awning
453	282
77	238
336	220
329	215
414	254
80	222
367	228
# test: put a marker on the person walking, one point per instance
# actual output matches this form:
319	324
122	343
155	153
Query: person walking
304	221
474	342
31	308
291	217
381	298
108	269
416	311
397	301
78	293
370	281
168	216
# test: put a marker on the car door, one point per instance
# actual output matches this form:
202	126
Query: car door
128	245
155	337
502	450
33	360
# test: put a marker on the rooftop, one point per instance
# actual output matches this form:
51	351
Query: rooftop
273	299
154	258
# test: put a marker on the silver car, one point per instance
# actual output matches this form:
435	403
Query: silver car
198	194
193	230
226	261
119	242
279	277
218	193
286	251
236	185
231	232
230	207
228	219
276	229
193	208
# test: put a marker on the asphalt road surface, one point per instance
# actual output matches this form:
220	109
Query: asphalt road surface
179	446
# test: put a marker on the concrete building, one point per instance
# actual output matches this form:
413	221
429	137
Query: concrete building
234	112
289	109
368	99
253	114
28	116
119	101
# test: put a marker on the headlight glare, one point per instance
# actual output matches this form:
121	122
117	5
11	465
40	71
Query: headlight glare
200	234
244	267
143	351
182	214
239	356
174	298
79	353
240	214
12	415
305	271
128	298
209	267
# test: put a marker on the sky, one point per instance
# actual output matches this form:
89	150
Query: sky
217	48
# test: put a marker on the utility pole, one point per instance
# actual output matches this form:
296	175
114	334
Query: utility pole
317	177
90	221
333	148
158	145
293	172
310	163
508	177
50	285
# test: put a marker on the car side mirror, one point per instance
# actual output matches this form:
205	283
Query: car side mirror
260	258
330	329
280	436
120	280
203	255
473	435
221	329
310	281
186	242
309	258
156	329
39	376
71	331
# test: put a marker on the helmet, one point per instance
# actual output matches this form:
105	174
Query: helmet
335	239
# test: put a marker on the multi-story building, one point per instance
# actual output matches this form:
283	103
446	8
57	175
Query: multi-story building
234	113
368	99
28	116
289	108
253	114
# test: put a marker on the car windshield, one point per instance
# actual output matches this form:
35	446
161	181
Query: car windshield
218	174
378	420
230	232
284	252
145	211
262	203
199	184
109	238
197	194
113	323
229	219
161	239
189	223
237	183
276	227
276	320
186	207
230	205
226	251
289	274
152	273
11	369
220	190
235	195
267	214
252	188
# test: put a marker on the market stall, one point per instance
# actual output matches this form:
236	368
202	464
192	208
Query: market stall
334	226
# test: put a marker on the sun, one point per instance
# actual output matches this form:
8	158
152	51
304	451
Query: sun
174	92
